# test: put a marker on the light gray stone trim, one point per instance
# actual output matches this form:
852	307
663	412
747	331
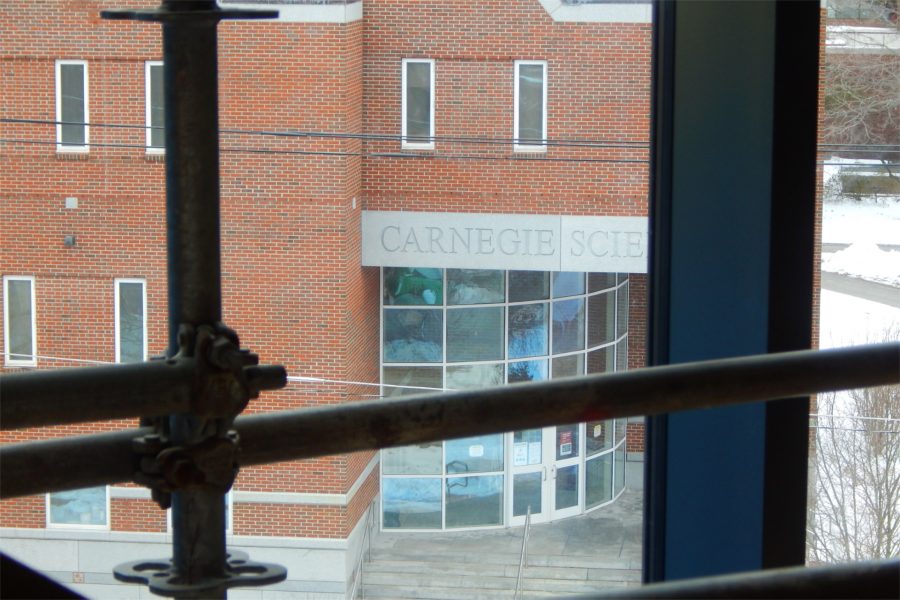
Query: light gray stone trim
129	493
307	13
599	13
166	538
248	497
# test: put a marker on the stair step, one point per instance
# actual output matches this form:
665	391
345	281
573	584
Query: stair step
404	592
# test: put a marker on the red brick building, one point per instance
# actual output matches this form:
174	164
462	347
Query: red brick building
423	195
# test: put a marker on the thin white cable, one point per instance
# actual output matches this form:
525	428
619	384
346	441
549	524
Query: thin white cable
860	417
302	379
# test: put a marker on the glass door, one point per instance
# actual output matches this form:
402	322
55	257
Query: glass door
545	473
565	471
528	476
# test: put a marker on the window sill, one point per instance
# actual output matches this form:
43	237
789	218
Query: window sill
417	146
73	153
542	149
155	155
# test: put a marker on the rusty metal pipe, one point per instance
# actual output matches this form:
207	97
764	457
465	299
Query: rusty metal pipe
31	467
41	398
273	437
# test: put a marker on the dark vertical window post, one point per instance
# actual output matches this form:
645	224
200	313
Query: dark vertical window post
732	219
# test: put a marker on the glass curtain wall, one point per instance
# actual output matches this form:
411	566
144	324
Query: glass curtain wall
472	328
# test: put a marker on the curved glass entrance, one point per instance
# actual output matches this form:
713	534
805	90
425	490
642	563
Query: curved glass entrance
467	328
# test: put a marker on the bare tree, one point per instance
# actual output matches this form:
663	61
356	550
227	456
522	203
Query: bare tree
862	76
854	508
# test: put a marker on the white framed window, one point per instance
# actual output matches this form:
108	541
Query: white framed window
418	104
19	324
530	106
72	131
131	320
87	508
154	107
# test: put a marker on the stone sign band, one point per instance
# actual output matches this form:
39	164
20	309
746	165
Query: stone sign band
502	241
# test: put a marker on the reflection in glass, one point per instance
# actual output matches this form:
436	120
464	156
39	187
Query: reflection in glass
474	286
527	493
418	100
412	335
567	366
528	285
411	502
601	319
620	469
531	104
602	360
413	286
622	355
465	377
415	377
474	334
566	487
157	108
79	507
527	370
72	113
567	283
527	447
18	303
567	443
422	459
479	454
599	436
131	321
601	281
568	325
474	501
598	480
622	309
528	330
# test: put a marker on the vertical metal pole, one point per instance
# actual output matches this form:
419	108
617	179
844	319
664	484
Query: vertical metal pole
195	295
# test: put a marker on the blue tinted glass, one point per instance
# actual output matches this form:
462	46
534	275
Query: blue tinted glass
412	502
528	330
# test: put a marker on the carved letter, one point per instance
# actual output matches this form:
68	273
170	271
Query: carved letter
384	238
577	238
545	242
411	239
434	238
634	248
592	243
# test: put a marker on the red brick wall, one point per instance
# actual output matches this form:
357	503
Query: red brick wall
293	286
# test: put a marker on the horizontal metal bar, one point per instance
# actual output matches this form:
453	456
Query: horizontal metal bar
149	389
272	437
871	579
307	433
68	463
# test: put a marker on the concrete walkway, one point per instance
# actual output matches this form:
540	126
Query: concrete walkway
861	288
608	537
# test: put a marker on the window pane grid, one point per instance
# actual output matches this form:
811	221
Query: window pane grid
454	306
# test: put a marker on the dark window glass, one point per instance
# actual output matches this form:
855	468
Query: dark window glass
18	305
72	109
531	104
528	285
418	102
131	321
157	109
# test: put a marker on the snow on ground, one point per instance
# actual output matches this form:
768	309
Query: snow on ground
851	321
864	224
868	220
865	260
